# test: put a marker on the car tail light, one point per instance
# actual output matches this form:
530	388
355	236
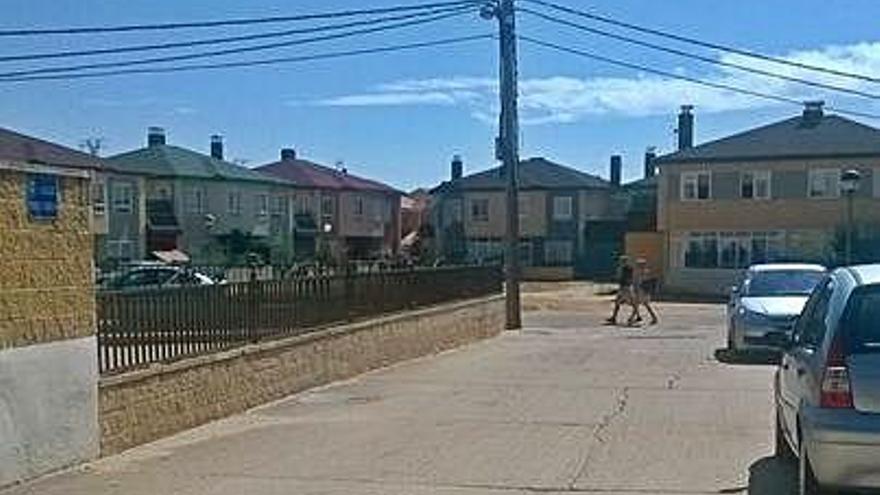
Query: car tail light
836	389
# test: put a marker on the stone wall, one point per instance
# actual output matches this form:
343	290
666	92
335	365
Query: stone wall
145	405
48	358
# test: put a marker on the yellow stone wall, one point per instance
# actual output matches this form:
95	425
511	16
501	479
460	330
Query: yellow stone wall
46	276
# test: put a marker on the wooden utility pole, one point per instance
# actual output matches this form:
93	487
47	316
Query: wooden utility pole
508	152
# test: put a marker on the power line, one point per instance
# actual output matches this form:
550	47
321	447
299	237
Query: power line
672	75
229	51
223	40
705	44
230	22
255	63
701	58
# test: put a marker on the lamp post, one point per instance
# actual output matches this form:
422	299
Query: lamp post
849	185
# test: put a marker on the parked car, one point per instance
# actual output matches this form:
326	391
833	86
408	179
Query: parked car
827	387
765	305
156	276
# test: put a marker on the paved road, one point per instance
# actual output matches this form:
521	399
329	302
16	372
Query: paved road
565	406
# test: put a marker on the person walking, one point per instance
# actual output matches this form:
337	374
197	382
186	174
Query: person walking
625	292
641	294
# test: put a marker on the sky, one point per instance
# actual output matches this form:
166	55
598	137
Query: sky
400	117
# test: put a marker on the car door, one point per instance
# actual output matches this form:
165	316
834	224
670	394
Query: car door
797	370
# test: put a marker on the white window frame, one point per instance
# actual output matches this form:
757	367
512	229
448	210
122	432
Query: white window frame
563	208
277	204
835	189
233	202
479	214
99	197
123	197
694	177
328	207
359	209
756	176
262	204
197	199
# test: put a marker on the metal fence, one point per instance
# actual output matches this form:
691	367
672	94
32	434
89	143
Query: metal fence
156	325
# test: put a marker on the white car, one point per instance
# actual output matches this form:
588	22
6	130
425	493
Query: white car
764	307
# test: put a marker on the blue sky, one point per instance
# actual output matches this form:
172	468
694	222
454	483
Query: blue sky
400	117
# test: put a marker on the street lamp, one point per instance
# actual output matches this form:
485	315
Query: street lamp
849	185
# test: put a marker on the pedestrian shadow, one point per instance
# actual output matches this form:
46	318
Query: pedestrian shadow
772	476
763	358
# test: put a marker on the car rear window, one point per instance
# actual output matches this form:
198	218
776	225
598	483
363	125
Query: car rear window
862	320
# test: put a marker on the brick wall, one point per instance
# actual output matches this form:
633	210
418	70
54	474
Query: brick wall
46	278
145	405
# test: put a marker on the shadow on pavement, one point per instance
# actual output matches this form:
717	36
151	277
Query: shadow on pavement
772	476
727	356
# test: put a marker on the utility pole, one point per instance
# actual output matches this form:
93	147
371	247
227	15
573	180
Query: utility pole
507	149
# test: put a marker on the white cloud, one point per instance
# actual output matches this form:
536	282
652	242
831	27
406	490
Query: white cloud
561	99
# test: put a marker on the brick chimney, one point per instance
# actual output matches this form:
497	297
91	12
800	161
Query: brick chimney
155	136
288	154
686	128
217	147
650	167
457	167
813	113
616	169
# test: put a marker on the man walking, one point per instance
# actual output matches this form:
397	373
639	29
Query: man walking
625	292
641	294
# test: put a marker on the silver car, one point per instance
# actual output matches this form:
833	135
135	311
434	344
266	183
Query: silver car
828	385
765	305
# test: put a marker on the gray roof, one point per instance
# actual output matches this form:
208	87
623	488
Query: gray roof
173	161
833	136
534	173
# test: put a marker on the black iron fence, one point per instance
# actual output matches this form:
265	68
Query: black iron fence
156	325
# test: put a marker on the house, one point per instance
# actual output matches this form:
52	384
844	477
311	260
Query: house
766	194
570	222
214	211
336	213
48	352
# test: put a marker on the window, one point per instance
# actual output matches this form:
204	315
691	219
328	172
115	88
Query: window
359	206
304	204
558	253
327	207
701	250
480	210
824	183
120	249
755	185
278	205
233	203
811	327
196	200
735	250
732	250
99	197
262	204
42	196
696	186
122	197
562	208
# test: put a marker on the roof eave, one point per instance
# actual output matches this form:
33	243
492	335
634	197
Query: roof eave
746	158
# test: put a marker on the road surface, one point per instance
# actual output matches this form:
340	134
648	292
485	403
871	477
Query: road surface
565	406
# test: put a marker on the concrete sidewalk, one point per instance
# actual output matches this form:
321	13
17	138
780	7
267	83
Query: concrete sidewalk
567	405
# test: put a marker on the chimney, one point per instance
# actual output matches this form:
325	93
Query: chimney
288	154
217	147
686	128
457	166
616	169
650	168
155	136
813	112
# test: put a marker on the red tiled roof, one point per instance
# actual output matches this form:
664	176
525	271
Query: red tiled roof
21	148
309	174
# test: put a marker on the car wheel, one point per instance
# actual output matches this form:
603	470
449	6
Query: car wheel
807	484
783	449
